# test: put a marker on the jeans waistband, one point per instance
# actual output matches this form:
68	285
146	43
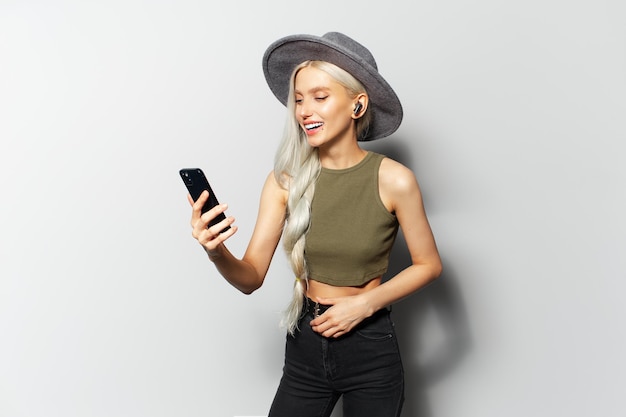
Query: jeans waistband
316	309
313	307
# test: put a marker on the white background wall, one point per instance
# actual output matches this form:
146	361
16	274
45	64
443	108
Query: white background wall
514	125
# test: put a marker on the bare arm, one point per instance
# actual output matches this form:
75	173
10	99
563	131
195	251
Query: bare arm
246	274
401	191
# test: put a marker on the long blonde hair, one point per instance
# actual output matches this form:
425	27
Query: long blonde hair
296	167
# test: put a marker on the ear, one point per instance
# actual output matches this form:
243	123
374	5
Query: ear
360	105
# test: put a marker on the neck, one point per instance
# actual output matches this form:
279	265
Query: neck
341	157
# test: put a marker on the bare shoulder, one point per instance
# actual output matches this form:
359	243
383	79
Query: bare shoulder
395	179
273	190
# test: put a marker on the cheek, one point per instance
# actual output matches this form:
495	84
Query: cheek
297	115
341	117
332	111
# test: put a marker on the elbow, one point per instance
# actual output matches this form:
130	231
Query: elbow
249	289
436	270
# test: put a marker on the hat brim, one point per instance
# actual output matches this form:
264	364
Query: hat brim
284	55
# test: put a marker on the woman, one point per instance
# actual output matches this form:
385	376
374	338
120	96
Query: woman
337	208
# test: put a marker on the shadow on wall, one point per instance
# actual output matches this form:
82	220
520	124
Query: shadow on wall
433	333
432	326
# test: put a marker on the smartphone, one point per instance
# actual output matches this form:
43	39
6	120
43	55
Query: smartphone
196	183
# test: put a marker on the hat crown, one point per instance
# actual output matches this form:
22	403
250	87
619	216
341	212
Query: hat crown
345	42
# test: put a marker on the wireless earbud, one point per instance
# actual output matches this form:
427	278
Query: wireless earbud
357	108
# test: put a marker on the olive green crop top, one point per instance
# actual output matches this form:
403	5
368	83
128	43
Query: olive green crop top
351	232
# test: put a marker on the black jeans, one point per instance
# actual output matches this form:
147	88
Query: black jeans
364	366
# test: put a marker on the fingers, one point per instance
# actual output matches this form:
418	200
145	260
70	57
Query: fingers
328	326
203	233
209	237
341	318
200	220
196	207
330	330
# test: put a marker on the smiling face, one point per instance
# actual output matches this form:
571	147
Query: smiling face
323	108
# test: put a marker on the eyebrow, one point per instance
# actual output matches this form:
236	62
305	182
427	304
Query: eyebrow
313	90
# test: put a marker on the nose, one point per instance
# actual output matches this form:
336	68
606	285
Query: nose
303	109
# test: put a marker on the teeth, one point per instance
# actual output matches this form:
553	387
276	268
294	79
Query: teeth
313	126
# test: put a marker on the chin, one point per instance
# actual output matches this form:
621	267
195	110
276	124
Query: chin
315	143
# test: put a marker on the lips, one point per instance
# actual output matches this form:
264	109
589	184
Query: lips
311	127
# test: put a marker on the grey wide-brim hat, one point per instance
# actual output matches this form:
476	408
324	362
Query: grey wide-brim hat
285	54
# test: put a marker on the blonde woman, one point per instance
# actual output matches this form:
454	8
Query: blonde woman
337	208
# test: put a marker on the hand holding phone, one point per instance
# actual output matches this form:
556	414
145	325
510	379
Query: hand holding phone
196	183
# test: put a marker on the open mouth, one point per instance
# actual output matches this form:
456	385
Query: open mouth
312	126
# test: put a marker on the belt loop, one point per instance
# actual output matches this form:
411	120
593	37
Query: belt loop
316	310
